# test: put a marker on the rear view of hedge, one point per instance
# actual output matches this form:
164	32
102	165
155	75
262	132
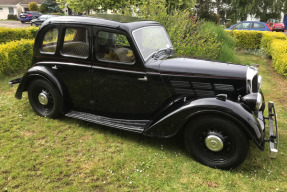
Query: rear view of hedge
16	34
15	55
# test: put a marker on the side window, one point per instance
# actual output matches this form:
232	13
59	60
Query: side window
239	26
76	43
114	47
50	40
258	25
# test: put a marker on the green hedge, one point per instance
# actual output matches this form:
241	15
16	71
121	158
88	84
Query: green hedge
247	39
278	50
16	34
15	55
268	38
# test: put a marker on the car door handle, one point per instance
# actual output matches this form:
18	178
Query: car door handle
142	78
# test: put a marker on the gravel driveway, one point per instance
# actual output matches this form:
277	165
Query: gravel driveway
14	24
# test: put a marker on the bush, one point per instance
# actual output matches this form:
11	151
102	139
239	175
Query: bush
15	34
15	56
190	37
43	8
33	6
247	39
12	17
278	50
268	38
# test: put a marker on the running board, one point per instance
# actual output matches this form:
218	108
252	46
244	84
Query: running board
130	125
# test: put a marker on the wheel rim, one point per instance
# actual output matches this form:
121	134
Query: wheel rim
44	101
214	145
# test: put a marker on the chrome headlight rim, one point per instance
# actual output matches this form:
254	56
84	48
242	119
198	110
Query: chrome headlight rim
259	101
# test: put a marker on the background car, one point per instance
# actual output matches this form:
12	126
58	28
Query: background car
275	25
27	16
250	25
37	22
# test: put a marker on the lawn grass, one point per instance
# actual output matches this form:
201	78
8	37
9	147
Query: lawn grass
42	154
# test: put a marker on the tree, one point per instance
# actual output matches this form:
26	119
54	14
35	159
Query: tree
43	8
33	6
123	5
52	6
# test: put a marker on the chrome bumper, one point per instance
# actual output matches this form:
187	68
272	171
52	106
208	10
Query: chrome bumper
273	137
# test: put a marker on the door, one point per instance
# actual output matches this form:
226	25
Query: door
71	62
121	86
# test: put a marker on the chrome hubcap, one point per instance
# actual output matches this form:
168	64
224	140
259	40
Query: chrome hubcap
43	98
214	143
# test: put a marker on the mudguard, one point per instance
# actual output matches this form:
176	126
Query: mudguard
170	124
38	72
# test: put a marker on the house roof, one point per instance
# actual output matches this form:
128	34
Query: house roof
15	2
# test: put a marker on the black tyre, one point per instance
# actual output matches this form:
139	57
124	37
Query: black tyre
22	22
216	142
44	98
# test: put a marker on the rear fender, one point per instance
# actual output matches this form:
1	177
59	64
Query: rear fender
171	124
38	72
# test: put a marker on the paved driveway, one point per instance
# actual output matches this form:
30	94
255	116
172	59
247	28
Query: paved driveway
14	24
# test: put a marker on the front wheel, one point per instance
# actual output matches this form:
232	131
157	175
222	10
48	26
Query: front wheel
216	142
44	98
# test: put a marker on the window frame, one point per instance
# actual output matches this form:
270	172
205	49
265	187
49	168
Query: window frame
62	40
9	8
96	30
42	40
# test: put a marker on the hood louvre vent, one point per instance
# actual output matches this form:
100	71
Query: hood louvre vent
201	86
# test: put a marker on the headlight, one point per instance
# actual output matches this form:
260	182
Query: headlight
253	101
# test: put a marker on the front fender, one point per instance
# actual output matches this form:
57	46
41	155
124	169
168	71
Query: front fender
170	124
38	72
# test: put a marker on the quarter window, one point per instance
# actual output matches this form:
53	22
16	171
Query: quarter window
114	47
76	43
50	40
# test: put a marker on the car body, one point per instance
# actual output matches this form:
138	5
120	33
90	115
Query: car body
121	73
250	25
27	16
275	25
38	21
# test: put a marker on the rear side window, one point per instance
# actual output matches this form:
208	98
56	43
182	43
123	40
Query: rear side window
114	47
258	25
76	43
50	40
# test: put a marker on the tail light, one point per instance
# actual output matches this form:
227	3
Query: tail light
29	15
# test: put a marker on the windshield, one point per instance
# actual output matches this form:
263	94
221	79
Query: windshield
151	39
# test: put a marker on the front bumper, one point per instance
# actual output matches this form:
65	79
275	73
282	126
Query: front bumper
273	136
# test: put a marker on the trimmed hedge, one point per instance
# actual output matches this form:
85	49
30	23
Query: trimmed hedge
274	44
16	34
278	50
268	38
15	56
247	39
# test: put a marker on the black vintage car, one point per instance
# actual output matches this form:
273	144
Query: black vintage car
122	74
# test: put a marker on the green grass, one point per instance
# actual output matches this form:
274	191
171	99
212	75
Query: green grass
41	154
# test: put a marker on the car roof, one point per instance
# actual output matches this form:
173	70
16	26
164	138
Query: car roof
111	21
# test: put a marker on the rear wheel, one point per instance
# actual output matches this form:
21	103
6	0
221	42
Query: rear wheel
216	142
44	98
23	22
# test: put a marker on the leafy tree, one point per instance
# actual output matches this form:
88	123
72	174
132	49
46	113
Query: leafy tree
33	6
52	6
43	8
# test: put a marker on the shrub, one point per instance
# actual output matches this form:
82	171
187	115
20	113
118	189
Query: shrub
33	6
12	17
190	37
268	38
43	8
15	34
247	39
15	56
278	50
